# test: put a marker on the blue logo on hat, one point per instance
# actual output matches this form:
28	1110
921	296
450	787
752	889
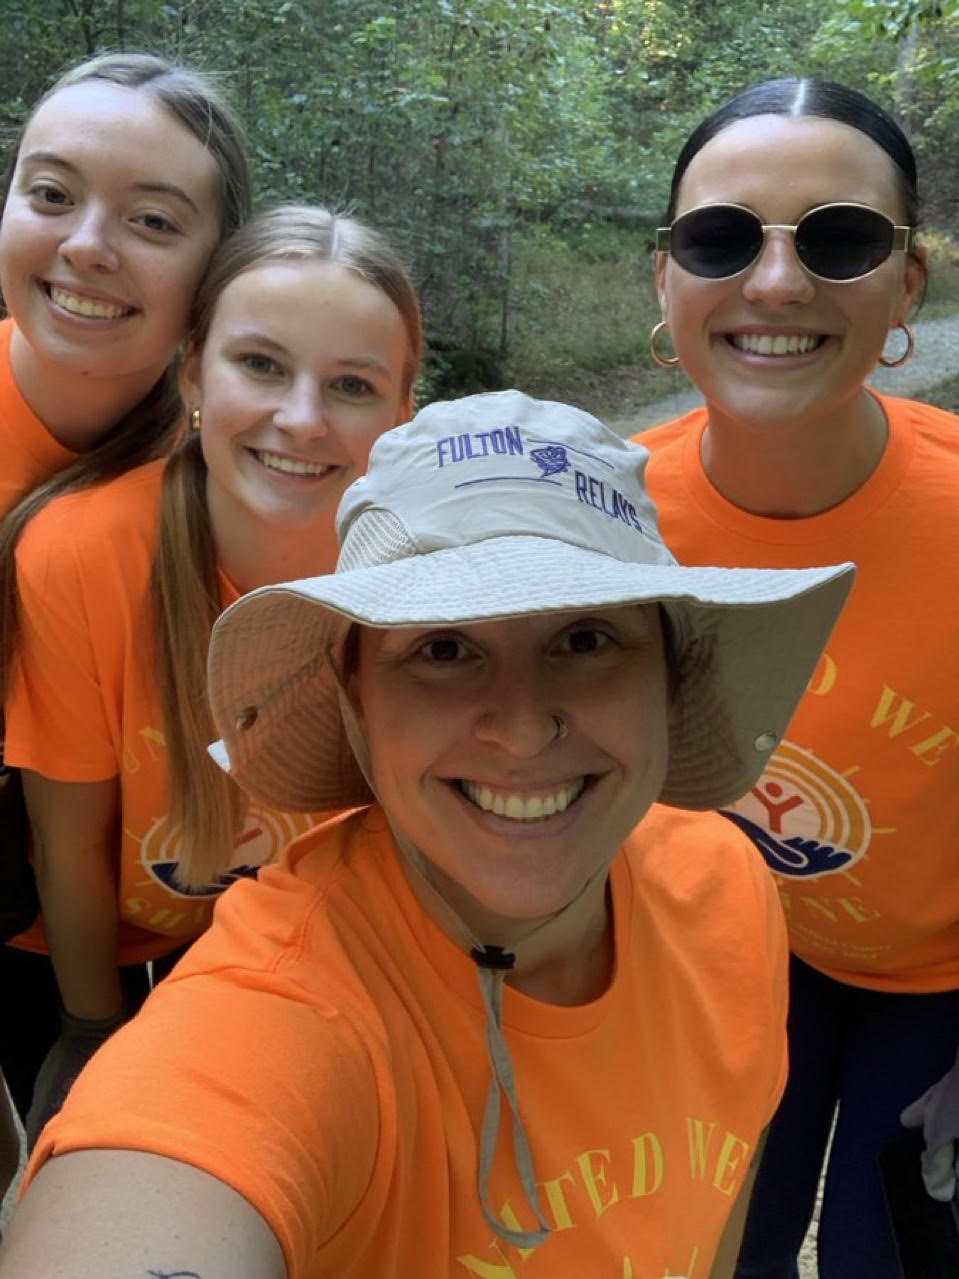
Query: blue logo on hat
506	441
551	460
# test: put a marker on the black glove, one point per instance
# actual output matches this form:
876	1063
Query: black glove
79	1040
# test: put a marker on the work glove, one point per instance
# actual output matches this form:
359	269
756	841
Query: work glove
79	1040
936	1112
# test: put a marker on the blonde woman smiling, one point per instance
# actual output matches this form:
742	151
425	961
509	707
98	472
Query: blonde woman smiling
126	175
304	346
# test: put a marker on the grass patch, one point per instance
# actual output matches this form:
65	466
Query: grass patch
584	306
942	295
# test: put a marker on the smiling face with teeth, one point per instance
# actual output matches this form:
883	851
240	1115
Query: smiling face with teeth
773	347
113	212
513	817
303	368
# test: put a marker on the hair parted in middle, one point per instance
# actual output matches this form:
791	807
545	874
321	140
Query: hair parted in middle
205	807
799	97
805	96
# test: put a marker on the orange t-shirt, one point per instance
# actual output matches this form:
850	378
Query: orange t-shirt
85	704
858	810
351	1031
30	453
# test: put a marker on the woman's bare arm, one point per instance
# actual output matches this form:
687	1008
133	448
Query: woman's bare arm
76	837
118	1214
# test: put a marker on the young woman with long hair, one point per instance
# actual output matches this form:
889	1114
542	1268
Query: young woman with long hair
303	348
125	176
788	267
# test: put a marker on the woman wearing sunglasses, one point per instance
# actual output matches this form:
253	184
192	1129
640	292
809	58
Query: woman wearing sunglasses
786	270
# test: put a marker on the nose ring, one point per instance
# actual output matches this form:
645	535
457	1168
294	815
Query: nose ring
562	728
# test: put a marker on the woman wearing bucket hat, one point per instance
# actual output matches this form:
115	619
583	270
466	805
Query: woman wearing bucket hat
788	261
509	1019
305	341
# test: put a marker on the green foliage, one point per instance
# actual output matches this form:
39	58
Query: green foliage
584	301
516	149
943	290
906	53
893	19
677	60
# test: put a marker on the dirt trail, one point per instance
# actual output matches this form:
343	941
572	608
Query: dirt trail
936	360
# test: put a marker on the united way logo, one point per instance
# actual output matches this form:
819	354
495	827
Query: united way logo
551	460
264	834
806	819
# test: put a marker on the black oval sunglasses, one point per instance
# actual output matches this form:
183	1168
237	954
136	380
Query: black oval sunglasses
834	242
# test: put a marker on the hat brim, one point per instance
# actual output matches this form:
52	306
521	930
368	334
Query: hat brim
750	640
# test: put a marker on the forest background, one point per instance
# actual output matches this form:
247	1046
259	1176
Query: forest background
519	151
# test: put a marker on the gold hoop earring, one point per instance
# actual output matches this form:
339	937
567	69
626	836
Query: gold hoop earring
664	361
907	353
196	419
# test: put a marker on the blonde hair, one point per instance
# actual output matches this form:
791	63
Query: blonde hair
149	429
205	807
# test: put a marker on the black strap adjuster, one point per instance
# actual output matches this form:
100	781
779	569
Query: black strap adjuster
492	957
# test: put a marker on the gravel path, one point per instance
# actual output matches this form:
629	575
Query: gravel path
936	360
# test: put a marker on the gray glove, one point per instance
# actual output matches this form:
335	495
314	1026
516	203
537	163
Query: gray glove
936	1112
79	1040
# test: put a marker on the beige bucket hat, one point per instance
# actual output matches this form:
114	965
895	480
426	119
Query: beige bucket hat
498	506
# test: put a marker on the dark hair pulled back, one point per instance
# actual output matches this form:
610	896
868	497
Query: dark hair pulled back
808	96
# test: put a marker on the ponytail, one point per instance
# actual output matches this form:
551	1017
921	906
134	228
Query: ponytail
205	807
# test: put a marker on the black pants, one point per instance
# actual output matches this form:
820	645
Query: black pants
871	1052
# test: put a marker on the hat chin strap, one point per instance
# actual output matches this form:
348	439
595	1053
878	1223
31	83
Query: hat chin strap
492	965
